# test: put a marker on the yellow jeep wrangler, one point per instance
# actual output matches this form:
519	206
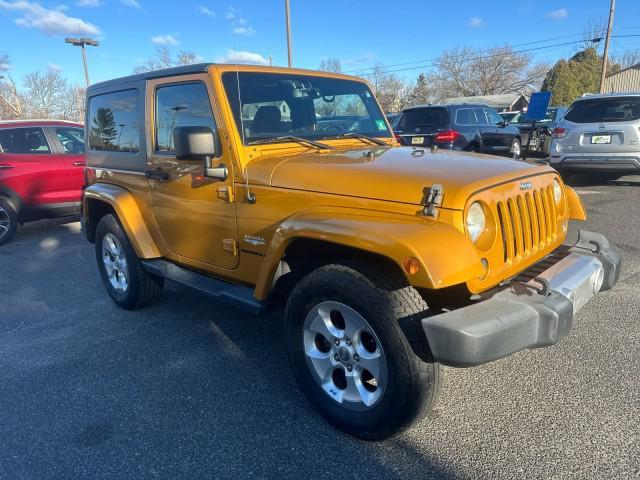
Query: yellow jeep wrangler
267	186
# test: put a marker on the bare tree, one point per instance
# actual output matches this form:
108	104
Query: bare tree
627	59
10	100
593	32
331	65
162	58
393	93
466	71
49	95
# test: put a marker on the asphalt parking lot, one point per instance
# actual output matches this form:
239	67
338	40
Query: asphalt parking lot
191	388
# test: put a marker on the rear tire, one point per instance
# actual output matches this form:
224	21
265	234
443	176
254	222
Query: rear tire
8	220
127	282
378	316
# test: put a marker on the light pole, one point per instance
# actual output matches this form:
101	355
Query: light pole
82	43
288	21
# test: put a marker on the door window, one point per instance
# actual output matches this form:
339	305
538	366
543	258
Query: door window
185	105
492	117
29	141
72	140
482	118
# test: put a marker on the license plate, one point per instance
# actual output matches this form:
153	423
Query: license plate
417	140
600	139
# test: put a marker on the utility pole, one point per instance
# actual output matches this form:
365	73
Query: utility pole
606	46
288	21
82	43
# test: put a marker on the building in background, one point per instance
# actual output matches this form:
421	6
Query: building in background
506	102
625	81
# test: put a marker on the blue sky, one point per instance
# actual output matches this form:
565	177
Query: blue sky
360	33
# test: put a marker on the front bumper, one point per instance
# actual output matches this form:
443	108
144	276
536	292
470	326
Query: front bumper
535	309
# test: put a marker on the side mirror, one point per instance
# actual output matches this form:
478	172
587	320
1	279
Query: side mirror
503	123
199	143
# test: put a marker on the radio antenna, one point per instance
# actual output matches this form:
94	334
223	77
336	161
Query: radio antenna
251	198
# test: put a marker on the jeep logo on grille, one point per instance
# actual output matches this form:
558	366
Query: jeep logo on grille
526	185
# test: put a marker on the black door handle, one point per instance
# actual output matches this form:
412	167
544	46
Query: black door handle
158	174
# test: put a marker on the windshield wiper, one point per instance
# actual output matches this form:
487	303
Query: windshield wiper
292	138
360	136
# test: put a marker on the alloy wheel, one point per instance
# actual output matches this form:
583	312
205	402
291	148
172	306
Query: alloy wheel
115	263
5	222
345	356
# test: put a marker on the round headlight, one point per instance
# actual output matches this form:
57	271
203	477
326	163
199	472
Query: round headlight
476	220
557	191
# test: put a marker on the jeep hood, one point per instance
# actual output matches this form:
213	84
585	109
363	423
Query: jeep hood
398	174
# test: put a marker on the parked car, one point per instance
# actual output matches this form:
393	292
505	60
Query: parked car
473	128
542	130
393	119
41	171
599	133
388	260
509	116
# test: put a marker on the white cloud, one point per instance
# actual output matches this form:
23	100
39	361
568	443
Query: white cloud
168	40
88	3
49	22
232	13
205	11
55	67
559	14
238	56
248	31
476	22
131	3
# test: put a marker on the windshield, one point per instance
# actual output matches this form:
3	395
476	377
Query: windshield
610	109
279	104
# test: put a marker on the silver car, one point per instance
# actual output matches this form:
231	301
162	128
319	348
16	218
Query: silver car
600	134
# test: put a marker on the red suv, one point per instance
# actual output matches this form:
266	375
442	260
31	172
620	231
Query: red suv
41	171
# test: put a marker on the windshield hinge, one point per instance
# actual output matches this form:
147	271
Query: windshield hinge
432	200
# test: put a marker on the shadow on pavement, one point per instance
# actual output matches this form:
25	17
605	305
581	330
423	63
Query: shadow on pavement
594	180
188	388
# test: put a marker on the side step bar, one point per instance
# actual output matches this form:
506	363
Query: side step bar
238	296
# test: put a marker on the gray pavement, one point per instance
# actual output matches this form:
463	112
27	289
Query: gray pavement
191	388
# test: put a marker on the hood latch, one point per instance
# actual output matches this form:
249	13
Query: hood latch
432	200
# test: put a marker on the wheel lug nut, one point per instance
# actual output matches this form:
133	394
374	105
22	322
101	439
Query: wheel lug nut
349	341
336	357
336	341
356	357
349	367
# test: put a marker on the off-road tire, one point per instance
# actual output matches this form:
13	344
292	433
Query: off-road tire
143	288
393	309
11	216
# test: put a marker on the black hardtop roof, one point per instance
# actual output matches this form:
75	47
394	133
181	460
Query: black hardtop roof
165	72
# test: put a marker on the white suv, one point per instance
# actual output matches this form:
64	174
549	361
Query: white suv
599	133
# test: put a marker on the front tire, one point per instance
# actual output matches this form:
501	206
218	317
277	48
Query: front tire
8	220
516	149
127	282
357	349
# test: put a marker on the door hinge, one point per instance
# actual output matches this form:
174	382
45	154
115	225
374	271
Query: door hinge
230	245
226	194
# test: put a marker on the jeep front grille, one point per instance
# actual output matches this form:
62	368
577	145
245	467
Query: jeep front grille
527	222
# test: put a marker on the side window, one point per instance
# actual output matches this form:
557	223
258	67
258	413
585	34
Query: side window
72	139
465	116
113	122
181	105
29	141
482	118
493	117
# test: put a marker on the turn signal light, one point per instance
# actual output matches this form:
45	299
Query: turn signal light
411	265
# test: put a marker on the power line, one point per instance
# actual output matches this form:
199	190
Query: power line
431	62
